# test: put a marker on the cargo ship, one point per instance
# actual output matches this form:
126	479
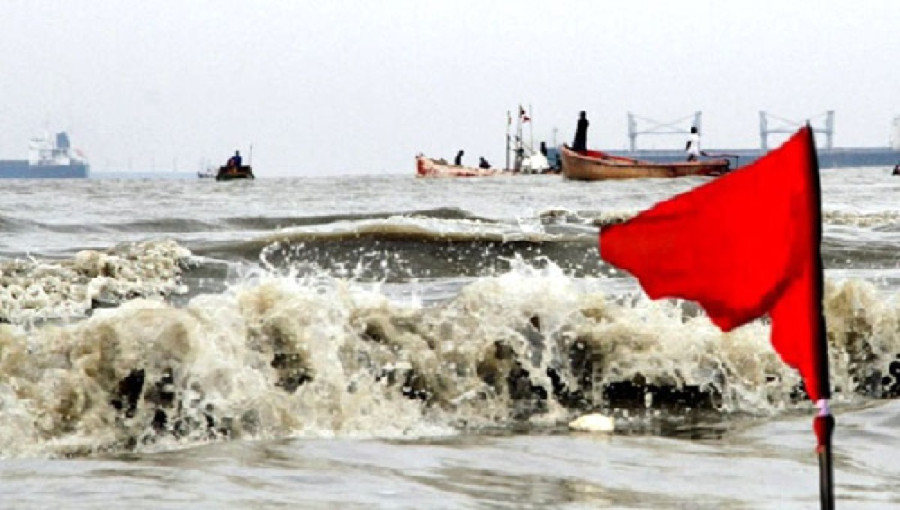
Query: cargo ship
829	155
836	157
48	158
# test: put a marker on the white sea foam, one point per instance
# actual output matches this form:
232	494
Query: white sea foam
861	219
34	290
278	356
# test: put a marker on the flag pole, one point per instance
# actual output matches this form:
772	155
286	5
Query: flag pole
824	426
823	423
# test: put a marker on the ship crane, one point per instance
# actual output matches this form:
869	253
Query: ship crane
660	128
791	126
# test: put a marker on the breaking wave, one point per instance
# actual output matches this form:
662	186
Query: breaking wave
280	355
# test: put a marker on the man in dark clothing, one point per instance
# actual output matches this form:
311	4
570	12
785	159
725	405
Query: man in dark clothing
483	163
235	161
580	142
458	160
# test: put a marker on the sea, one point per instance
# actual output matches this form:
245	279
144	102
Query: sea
389	342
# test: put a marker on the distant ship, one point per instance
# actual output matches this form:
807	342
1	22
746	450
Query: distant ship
48	158
828	155
836	157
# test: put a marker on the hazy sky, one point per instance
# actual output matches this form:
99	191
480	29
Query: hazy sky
331	87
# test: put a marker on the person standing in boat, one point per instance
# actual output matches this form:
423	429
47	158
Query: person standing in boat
458	160
483	163
235	161
692	147
579	144
896	169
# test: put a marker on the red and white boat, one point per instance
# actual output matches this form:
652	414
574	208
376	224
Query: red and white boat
427	167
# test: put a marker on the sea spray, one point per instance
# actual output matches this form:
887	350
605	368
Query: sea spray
39	290
279	356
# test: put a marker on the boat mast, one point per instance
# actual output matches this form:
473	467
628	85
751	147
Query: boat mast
508	122
530	130
517	162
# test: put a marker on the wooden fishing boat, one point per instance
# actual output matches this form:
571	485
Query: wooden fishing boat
427	167
228	173
593	165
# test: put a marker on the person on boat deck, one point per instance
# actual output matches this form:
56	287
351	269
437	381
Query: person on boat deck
483	163
235	161
896	169
544	149
692	147
458	160
580	142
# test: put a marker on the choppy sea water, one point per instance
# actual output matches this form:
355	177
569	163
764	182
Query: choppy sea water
390	342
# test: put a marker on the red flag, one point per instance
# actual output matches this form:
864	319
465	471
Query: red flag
743	245
523	115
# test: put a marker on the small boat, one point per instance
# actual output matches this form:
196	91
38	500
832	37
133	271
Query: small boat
209	173
227	173
427	167
591	165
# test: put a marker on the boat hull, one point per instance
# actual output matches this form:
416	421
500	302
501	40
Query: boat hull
230	173
21	169
596	165
429	168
